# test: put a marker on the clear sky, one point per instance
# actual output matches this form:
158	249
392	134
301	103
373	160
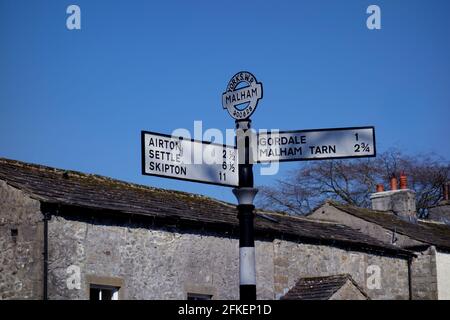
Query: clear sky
78	99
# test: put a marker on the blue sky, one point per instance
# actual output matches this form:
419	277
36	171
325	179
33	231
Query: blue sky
79	99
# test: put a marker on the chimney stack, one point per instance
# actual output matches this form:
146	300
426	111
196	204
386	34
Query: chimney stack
402	202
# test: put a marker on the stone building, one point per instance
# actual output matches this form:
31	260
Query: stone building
69	235
441	212
394	222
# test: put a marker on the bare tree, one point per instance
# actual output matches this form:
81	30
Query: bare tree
352	182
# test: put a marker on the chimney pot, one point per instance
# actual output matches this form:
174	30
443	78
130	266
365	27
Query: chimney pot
393	183
403	181
380	188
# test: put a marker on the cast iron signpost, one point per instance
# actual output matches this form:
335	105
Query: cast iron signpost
241	99
199	161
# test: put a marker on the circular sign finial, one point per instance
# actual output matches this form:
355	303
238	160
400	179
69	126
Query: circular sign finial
242	95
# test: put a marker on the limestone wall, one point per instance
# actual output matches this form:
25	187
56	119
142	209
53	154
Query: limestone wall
167	263
443	275
21	245
380	277
423	275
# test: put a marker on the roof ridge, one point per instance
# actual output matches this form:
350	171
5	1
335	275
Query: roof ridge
298	217
103	178
335	203
440	223
339	275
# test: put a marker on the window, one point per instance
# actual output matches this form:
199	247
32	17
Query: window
198	296
105	288
195	291
100	292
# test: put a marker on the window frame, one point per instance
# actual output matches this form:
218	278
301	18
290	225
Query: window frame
199	290
114	291
106	283
198	296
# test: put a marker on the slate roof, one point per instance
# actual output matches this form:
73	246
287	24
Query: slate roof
319	288
71	188
433	233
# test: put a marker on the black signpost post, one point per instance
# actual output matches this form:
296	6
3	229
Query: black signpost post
246	98
245	195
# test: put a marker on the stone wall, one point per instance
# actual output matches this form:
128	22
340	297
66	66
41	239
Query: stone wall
21	245
167	263
423	268
423	275
297	260
152	263
443	274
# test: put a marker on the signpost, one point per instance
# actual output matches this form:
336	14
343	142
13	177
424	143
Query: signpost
199	161
241	99
186	159
316	144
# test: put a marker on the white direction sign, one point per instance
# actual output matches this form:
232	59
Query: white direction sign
316	144
186	159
